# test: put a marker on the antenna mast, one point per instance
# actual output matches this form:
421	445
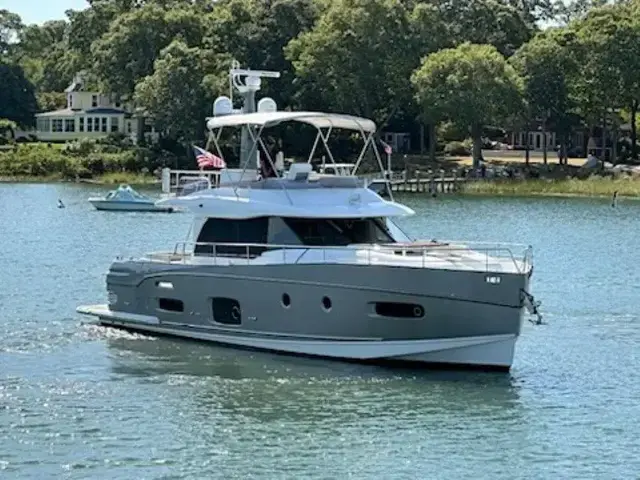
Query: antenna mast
246	82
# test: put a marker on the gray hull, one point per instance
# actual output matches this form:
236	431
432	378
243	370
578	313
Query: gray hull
345	311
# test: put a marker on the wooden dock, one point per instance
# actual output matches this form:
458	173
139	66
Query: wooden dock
428	181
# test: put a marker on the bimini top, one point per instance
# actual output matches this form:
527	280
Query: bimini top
270	119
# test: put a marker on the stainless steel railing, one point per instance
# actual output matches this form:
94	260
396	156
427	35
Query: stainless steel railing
485	253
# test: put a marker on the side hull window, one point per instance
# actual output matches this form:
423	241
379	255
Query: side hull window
226	311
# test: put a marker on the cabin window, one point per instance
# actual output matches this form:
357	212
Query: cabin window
339	232
281	234
395	231
170	305
221	231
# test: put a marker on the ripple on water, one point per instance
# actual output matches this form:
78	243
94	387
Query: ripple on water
82	401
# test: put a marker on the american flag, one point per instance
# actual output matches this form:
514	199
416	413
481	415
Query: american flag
386	147
207	159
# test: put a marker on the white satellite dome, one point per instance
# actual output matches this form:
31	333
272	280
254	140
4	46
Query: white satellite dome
222	106
267	105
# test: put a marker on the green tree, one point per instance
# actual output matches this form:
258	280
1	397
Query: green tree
493	22
44	55
17	97
255	33
357	58
10	27
176	95
470	85
7	126
547	68
607	48
125	54
567	11
48	101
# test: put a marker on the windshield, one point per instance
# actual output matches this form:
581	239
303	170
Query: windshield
396	232
339	231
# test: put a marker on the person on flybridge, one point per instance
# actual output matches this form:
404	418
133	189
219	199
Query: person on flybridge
274	152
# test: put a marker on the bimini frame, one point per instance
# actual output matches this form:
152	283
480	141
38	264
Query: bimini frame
324	123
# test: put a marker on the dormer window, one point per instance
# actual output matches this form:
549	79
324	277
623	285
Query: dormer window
70	101
94	100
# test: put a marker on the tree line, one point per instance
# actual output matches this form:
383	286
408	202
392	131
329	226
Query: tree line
460	65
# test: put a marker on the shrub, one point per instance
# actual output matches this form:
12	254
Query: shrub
458	148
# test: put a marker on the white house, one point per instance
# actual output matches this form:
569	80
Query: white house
90	115
536	140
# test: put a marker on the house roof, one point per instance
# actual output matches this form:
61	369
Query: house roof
270	119
65	112
105	111
74	87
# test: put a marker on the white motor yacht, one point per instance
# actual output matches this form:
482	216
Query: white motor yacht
302	263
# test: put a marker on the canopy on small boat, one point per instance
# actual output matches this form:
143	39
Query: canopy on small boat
125	192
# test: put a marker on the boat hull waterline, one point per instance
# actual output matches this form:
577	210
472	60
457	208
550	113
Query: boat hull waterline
493	351
454	325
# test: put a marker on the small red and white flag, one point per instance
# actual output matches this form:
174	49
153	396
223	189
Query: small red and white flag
386	147
208	159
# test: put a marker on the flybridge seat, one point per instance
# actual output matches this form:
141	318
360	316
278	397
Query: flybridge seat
321	182
299	176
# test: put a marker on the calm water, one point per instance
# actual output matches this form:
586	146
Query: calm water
80	401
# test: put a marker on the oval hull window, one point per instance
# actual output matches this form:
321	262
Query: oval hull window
326	303
286	300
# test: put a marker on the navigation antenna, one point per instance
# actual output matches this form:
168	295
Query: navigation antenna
247	82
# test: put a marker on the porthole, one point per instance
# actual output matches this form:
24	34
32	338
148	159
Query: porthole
286	300
326	303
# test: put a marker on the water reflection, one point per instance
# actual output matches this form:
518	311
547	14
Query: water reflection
270	387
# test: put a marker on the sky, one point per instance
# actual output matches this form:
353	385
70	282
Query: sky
40	11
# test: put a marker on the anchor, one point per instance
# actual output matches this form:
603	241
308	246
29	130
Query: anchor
532	306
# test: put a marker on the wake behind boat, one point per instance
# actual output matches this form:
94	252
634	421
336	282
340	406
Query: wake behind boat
312	264
125	198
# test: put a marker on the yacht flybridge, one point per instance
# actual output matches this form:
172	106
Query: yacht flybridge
303	263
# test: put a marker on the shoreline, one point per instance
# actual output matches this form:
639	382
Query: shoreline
594	187
103	180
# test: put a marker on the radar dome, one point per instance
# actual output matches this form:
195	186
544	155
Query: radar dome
253	82
267	105
222	106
